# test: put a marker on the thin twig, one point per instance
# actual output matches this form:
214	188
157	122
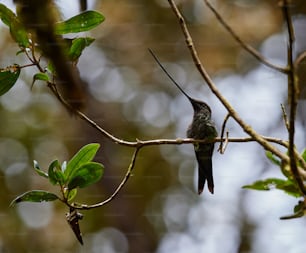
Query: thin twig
248	129
27	65
120	186
142	144
301	57
225	143
83	116
137	143
285	117
247	47
222	145
293	94
177	141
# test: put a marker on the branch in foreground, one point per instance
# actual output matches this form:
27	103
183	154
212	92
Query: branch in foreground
247	47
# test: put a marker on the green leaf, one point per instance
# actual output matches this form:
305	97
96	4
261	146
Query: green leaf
273	158
39	171
56	176
260	185
288	186
18	31
84	155
71	194
6	15
286	170
50	68
85	21
304	154
86	175
299	211
8	78
40	76
299	207
64	165
77	47
35	196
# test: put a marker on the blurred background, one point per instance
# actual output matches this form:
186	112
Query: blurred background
158	210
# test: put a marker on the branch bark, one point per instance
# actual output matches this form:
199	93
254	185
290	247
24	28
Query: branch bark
292	95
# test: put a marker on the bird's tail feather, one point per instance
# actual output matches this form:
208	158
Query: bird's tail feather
205	172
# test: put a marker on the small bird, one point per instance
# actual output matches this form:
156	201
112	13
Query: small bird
202	127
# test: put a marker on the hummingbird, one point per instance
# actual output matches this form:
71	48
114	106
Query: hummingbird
202	127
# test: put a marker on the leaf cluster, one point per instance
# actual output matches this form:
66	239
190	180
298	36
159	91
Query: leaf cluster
287	185
85	21
79	172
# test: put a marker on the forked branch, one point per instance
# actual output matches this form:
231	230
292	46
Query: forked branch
292	86
244	45
248	129
292	95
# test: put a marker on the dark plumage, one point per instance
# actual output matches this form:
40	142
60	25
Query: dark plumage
202	127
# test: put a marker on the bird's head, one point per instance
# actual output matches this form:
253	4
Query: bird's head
200	106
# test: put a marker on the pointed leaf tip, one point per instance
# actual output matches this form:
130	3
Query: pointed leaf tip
82	22
38	170
84	155
8	77
34	196
86	175
56	176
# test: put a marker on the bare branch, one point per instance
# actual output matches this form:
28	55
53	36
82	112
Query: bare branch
248	129
293	95
285	117
247	47
120	186
301	57
141	144
223	145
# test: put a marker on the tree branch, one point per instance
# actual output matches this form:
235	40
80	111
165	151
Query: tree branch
223	145
293	95
248	129
247	47
120	186
140	143
301	57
